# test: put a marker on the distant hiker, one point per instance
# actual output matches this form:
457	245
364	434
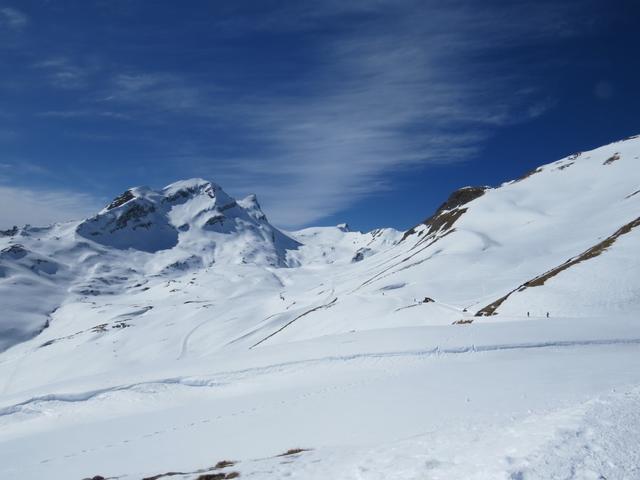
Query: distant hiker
527	314
547	314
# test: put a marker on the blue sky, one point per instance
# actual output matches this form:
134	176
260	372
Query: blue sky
366	112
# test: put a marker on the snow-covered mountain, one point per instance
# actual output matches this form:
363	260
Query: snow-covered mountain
177	323
194	215
188	225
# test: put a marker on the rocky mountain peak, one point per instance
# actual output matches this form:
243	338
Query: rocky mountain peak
189	212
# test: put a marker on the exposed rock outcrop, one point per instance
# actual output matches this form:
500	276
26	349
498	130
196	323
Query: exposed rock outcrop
449	212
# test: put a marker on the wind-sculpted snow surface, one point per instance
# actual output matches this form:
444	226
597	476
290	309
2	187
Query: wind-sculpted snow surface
178	328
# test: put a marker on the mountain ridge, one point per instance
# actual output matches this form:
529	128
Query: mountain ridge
146	360
193	226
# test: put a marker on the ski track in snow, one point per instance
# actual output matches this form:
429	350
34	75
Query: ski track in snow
324	306
184	344
228	376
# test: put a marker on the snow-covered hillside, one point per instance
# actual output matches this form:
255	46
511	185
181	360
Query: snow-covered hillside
178	328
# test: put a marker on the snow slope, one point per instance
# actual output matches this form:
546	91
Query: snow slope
177	328
583	210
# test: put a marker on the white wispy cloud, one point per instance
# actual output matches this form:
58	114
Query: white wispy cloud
27	197
163	91
411	83
411	86
13	18
86	113
24	205
64	73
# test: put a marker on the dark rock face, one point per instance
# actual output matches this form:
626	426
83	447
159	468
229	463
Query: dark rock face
528	174
461	197
228	206
360	255
449	212
121	200
134	214
191	262
136	224
185	194
9	233
214	220
14	252
613	158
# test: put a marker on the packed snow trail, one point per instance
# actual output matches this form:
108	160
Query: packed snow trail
222	378
315	309
453	415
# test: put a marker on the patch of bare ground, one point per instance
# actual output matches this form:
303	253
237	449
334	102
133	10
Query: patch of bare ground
449	212
528	174
566	165
293	451
613	158
569	161
167	474
540	280
102	328
204	473
463	321
218	476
